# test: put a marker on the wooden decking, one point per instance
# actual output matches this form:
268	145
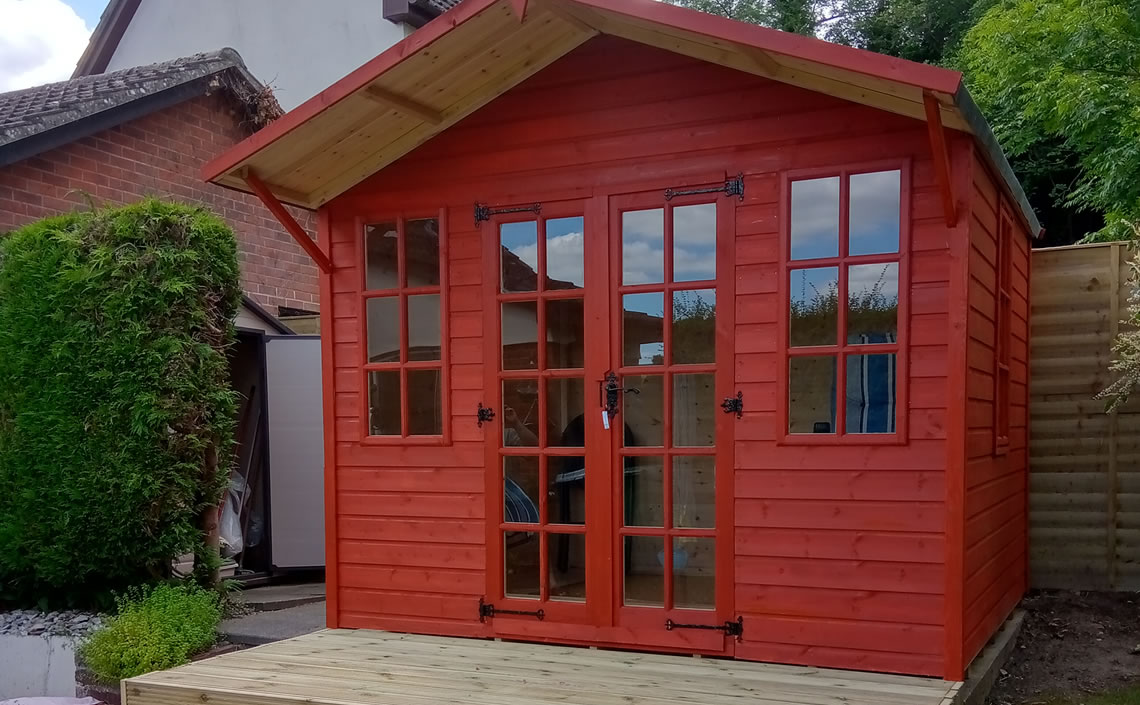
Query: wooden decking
346	667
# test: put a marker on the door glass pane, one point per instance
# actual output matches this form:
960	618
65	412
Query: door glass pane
644	491
566	562
643	329
873	303
814	306
423	327
871	393
694	410
380	256
694	491
811	394
815	218
564	250
694	327
643	246
520	335
565	489
565	401
520	489
384	403
422	252
694	573
521	564
874	213
694	242
383	326
565	344
520	412
519	243
643	411
425	403
644	572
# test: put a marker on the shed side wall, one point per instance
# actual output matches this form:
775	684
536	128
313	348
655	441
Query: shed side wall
995	537
839	551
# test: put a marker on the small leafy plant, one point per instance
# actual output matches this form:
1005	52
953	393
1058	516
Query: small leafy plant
156	627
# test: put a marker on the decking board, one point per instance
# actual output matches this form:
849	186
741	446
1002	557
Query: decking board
351	667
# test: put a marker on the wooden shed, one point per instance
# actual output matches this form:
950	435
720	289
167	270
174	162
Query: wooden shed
648	329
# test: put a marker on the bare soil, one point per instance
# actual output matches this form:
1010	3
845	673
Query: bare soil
1072	644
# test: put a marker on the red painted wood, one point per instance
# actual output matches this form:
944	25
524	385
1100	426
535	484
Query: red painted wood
328	417
995	529
857	556
288	221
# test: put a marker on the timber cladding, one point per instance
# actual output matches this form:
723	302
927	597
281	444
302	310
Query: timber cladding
900	553
1084	484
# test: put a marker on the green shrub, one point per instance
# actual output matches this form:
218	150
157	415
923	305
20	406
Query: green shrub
114	396
156	628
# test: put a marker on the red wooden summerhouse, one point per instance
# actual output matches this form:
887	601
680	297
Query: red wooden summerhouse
648	329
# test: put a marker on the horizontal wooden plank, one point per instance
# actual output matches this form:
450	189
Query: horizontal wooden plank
841	544
839	603
924	578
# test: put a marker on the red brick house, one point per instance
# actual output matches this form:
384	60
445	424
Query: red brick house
117	137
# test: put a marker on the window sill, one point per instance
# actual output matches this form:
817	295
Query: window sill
405	441
830	439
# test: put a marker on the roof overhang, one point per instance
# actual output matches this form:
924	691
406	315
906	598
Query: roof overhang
477	51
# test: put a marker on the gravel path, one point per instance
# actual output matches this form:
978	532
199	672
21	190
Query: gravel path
34	622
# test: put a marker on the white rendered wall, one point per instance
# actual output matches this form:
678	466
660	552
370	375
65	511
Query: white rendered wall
299	47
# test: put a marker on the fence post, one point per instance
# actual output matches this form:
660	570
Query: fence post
1113	421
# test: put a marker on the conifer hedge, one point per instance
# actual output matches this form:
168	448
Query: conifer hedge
115	404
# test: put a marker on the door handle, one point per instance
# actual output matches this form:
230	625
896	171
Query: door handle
612	391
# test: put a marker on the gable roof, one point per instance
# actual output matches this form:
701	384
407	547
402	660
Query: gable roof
36	119
482	48
117	17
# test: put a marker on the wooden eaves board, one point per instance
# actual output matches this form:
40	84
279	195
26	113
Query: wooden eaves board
481	49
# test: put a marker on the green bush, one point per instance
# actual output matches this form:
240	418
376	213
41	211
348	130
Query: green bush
115	403
156	628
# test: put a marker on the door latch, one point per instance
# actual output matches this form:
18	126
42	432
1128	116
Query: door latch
729	628
734	405
484	413
488	611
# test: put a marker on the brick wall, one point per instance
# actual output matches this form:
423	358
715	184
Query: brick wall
161	154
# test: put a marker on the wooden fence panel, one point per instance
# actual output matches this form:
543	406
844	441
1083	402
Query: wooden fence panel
1084	464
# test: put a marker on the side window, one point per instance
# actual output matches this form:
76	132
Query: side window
1003	333
403	315
842	274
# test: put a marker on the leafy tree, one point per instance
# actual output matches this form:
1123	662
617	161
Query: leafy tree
1126	347
800	16
919	30
115	407
1060	81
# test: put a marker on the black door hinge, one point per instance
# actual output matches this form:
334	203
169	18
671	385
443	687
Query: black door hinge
733	186
483	413
484	212
735	629
734	405
487	610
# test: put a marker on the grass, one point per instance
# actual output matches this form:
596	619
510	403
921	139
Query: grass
1128	696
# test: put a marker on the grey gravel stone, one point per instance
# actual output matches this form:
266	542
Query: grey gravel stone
61	623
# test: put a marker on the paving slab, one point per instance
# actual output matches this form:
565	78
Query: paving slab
274	625
279	597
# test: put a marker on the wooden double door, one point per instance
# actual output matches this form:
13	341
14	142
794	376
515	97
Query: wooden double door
609	362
